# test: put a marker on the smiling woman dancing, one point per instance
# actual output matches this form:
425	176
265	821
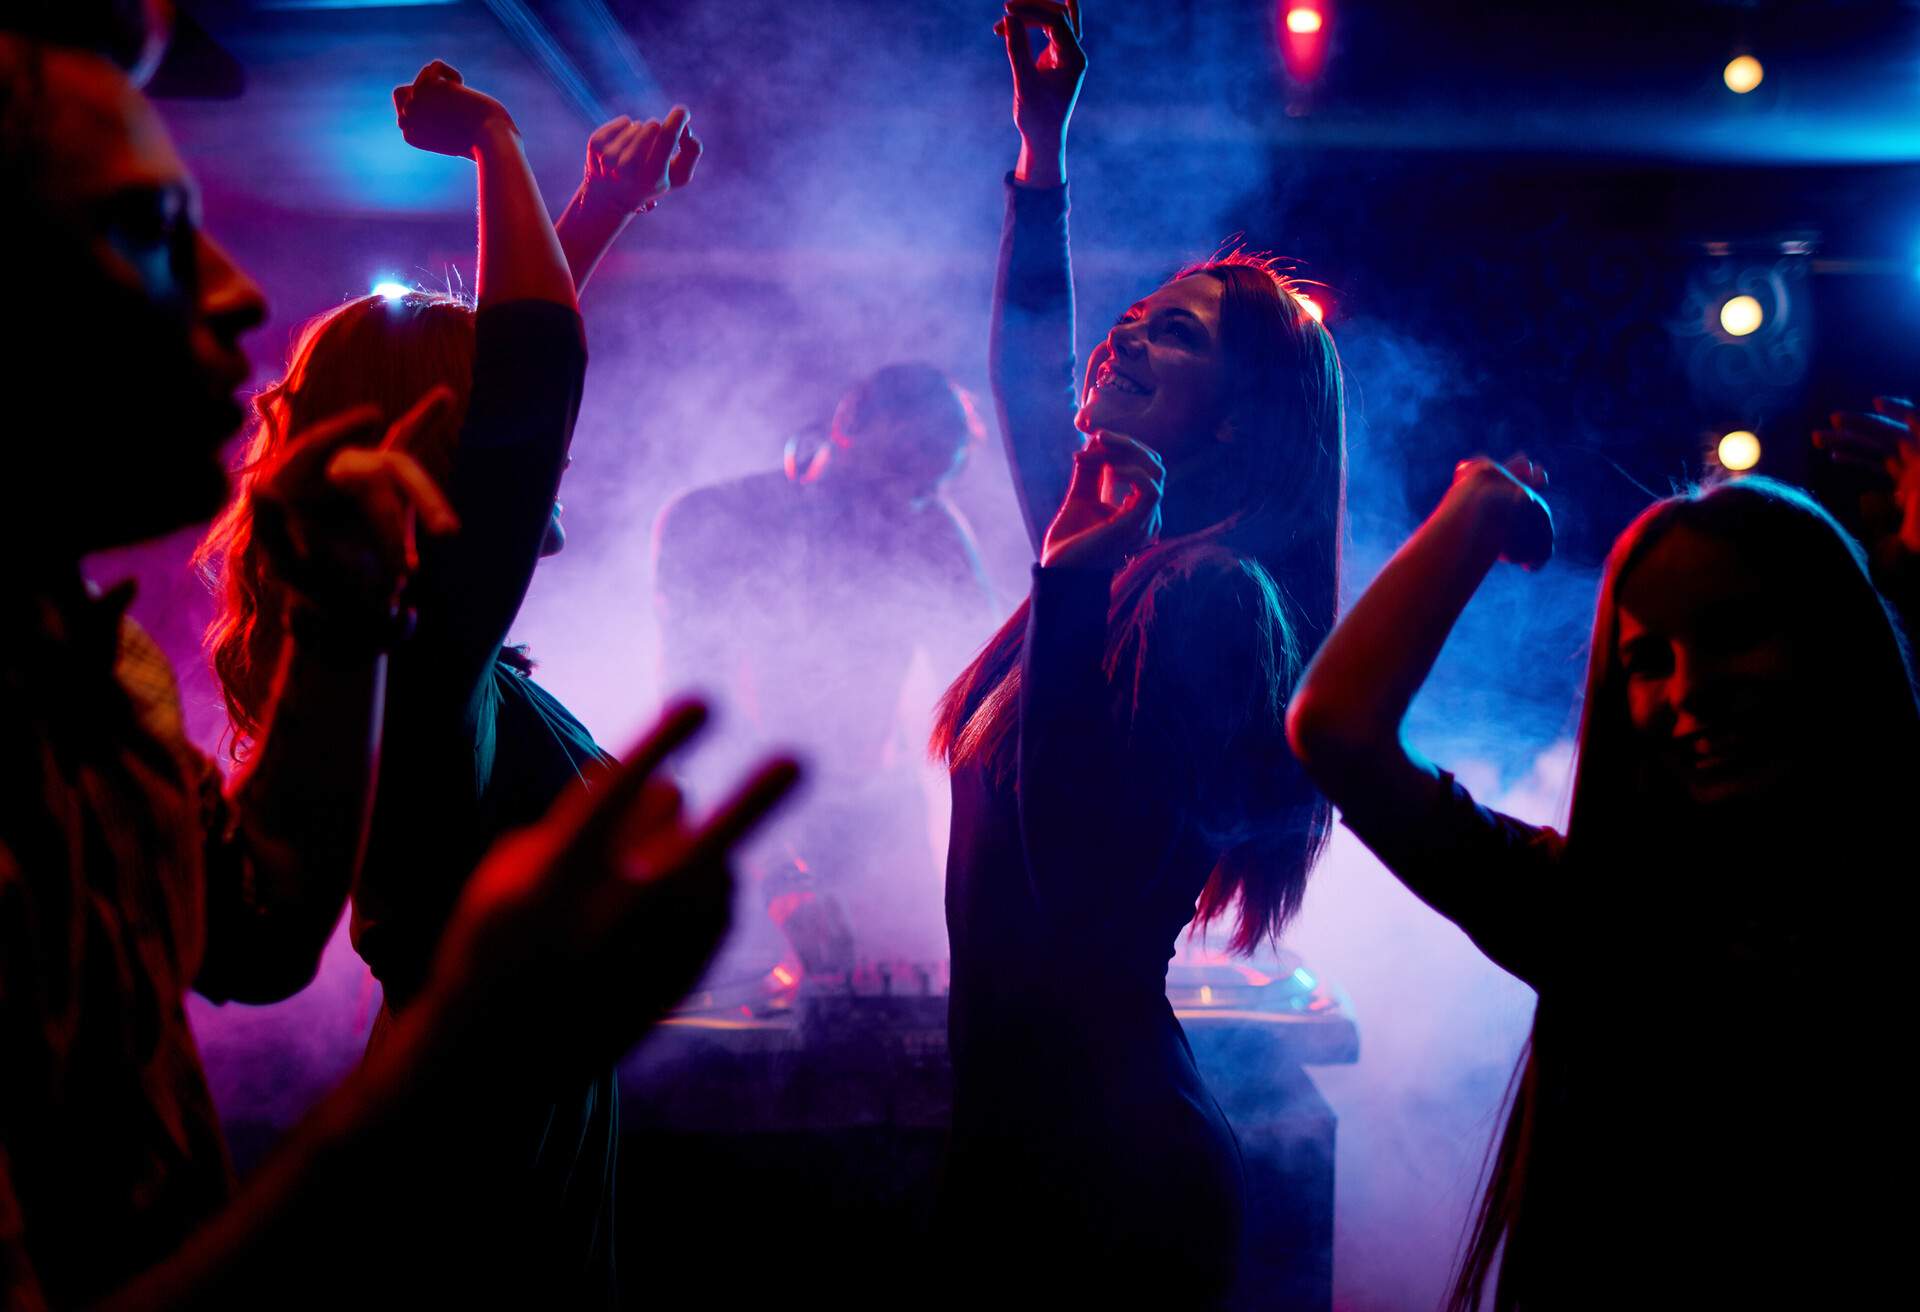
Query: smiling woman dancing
1749	721
1118	763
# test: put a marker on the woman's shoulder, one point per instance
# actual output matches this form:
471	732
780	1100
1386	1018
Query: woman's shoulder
1208	583
523	702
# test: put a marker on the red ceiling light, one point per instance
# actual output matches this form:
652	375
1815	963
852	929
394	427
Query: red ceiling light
1301	26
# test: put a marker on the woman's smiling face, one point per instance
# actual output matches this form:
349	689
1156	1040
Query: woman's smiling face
1160	375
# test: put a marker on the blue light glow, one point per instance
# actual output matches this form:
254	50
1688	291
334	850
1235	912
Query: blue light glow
1306	981
393	291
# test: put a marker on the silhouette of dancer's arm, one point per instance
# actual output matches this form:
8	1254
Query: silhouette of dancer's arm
1032	362
1478	868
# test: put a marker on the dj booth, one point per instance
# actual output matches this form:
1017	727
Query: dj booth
783	1142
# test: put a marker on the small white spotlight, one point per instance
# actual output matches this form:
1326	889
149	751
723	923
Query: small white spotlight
1303	21
1743	74
1739	451
1311	306
1741	315
393	291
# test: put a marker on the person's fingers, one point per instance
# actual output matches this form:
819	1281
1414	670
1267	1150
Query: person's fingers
1129	448
1904	466
1138	529
1869	420
365	478
1128	460
651	825
1019	49
1058	20
659	148
1149	488
402	98
1084	485
680	171
1532	475
440	68
1858	445
410	429
1135	465
661	802
1065	33
1880	428
310	450
422	494
1038	12
630	145
1136	471
606	132
589	819
735	818
427	431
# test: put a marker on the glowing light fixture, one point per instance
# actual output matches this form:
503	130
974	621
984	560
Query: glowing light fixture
393	291
1739	451
1741	315
1303	21
1743	74
1311	306
1301	27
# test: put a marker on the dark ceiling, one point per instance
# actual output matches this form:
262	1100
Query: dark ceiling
1633	79
1523	193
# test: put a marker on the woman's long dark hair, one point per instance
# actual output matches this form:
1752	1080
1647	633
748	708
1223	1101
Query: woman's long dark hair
1848	646
1275	508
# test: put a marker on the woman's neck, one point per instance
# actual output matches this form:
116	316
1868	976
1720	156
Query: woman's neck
1201	493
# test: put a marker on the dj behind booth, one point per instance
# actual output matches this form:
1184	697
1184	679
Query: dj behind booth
784	1133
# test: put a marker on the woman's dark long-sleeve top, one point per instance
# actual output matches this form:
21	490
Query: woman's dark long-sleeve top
473	748
1693	1135
1085	1142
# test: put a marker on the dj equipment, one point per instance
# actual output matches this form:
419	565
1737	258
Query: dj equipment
786	1134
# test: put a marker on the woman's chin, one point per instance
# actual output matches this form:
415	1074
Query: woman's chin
1097	418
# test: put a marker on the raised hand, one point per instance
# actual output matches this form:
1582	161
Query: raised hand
1091	531
337	507
630	165
440	113
1045	86
576	934
1883	443
1508	498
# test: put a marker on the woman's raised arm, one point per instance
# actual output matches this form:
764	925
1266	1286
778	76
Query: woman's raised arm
520	256
1345	718
630	166
529	363
1031	357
